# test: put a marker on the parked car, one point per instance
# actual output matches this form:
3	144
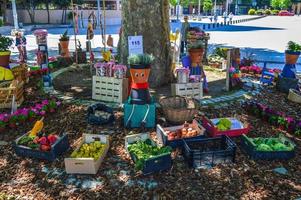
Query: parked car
285	13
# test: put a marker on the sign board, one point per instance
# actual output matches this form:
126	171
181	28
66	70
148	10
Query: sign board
135	45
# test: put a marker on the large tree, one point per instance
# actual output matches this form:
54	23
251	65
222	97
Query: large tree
150	19
30	6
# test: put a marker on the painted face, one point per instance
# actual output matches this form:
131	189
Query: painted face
140	75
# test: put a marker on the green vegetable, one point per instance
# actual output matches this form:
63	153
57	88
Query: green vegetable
144	150
25	140
264	147
271	144
224	124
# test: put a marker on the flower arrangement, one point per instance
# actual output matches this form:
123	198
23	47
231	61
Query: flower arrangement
273	117
251	69
38	72
28	114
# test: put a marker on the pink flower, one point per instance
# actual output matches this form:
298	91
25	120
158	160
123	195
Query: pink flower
43	112
58	103
38	106
45	102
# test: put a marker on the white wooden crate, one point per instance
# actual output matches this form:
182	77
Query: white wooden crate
110	89
193	90
87	165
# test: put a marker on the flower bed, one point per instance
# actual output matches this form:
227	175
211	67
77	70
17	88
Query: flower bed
23	115
256	70
273	117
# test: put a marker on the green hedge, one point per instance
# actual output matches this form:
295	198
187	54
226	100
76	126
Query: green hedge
275	12
268	12
1	22
259	12
251	12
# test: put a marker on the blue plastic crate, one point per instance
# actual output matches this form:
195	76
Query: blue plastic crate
137	116
163	138
156	164
61	145
250	149
205	153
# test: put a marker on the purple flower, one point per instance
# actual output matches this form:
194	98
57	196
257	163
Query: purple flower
43	112
45	102
58	103
38	106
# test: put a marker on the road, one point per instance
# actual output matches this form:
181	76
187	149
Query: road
266	38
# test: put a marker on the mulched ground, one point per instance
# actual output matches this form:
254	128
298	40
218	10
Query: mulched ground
244	179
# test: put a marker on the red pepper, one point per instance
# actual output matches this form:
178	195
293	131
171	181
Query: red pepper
45	147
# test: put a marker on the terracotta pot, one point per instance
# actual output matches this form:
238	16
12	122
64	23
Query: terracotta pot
65	48
13	125
196	56
291	57
139	75
4	58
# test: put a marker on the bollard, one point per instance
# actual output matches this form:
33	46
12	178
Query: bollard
209	26
204	26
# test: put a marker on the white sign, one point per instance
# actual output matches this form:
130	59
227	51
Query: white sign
135	45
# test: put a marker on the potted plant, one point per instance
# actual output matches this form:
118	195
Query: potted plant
5	43
140	70
64	44
282	123
196	51
13	120
292	52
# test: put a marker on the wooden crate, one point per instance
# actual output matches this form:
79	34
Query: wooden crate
193	90
7	90
87	165
21	72
110	89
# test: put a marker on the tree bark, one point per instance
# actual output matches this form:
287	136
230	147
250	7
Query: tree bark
150	19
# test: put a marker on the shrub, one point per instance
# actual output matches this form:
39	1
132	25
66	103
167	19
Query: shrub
259	12
1	22
251	12
268	12
275	12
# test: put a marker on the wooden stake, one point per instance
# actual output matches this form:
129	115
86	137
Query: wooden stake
76	60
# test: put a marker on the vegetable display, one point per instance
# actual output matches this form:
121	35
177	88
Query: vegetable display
270	144
185	132
144	150
90	150
224	124
41	141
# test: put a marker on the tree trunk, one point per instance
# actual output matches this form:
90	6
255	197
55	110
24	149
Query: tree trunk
151	20
3	10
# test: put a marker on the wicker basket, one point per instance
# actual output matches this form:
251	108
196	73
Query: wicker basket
178	109
294	96
7	90
21	72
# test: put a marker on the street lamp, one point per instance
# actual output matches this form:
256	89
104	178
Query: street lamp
177	9
214	7
13	2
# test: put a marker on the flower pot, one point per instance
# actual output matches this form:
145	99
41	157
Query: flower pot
64	44
139	75
52	110
13	125
2	129
291	57
4	58
196	56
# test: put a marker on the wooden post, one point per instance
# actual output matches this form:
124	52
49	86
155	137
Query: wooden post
75	41
228	70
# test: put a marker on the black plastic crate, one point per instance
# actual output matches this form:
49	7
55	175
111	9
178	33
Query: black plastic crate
57	149
204	153
152	165
265	155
